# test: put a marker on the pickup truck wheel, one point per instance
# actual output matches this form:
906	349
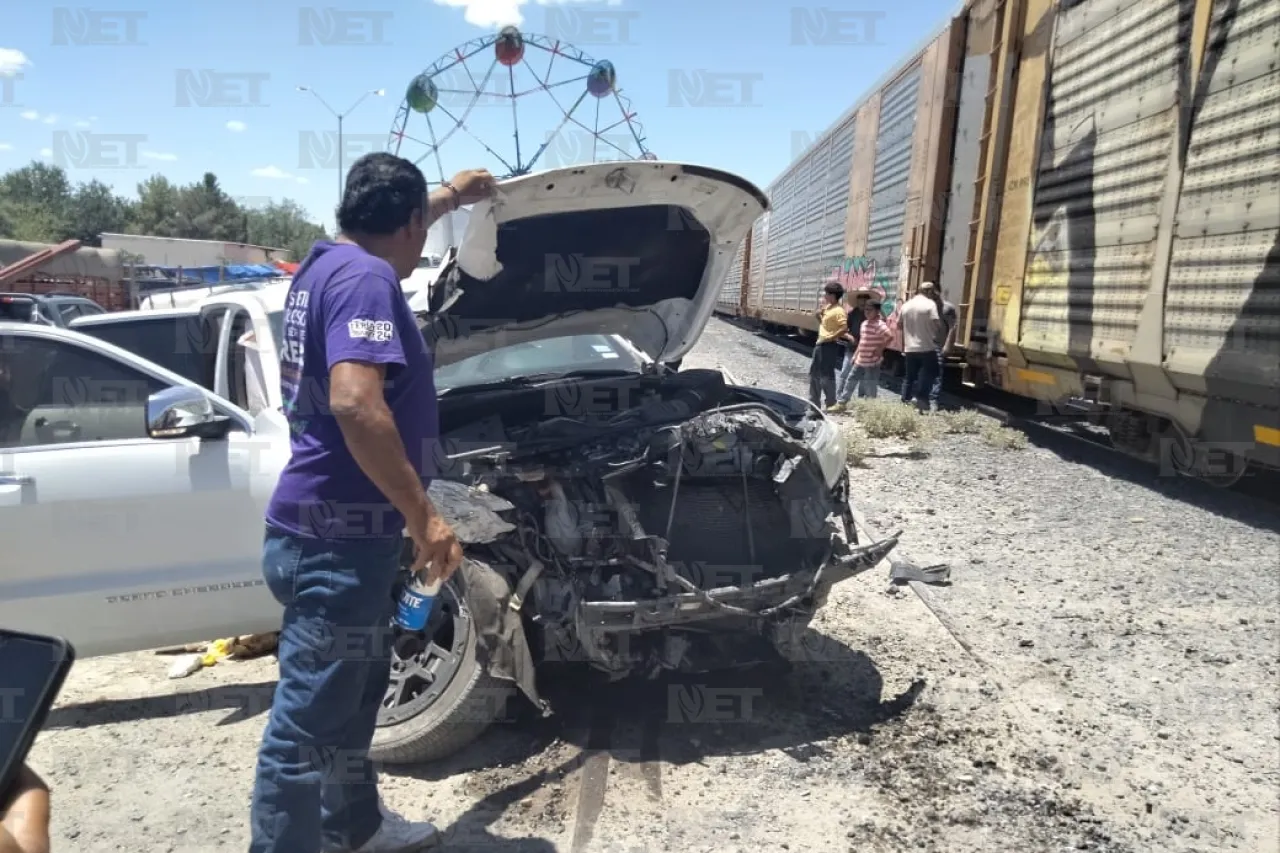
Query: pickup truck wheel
440	698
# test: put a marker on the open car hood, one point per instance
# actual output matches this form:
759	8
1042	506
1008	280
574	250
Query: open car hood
637	249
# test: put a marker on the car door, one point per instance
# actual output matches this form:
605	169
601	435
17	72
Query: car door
247	354
113	539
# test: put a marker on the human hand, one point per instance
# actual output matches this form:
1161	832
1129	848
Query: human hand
436	552
473	185
24	815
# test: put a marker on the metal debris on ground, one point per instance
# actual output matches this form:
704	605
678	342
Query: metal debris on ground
902	572
197	656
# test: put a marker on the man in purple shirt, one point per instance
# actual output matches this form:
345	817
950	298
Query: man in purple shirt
356	377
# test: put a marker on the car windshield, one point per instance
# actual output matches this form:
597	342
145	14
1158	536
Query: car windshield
553	355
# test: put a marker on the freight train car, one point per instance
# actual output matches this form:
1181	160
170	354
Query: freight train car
1134	268
865	201
1096	185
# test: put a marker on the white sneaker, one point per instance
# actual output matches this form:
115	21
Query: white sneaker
397	835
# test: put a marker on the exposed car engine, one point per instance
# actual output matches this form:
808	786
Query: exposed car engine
620	493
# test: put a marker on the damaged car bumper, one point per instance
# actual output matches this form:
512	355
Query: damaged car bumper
762	600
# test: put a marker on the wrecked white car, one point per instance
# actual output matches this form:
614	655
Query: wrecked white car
615	511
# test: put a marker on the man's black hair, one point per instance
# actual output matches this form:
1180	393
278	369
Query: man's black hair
834	289
381	194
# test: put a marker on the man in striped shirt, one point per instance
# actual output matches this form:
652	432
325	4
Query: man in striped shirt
874	337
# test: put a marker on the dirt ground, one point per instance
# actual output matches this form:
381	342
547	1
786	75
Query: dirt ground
1101	675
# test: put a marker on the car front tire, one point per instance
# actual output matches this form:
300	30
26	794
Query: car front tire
471	701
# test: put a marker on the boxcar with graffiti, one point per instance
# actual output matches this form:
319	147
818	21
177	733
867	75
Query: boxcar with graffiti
1095	184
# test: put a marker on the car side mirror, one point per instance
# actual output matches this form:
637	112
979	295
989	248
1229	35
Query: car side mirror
181	411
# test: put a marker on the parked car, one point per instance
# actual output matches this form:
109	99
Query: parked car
54	309
174	338
613	511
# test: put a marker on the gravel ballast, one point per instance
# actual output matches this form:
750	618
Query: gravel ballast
1101	674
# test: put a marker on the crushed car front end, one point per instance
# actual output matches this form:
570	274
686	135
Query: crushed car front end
613	511
681	528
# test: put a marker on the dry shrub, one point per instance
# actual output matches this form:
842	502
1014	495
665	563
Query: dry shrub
965	422
1003	438
857	445
889	419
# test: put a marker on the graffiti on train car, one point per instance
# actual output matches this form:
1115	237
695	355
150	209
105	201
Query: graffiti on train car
1050	257
859	272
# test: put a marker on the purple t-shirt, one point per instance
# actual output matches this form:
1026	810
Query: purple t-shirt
347	305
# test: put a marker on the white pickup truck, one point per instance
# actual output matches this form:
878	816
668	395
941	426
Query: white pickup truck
135	471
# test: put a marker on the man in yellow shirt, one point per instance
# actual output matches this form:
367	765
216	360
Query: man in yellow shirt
833	324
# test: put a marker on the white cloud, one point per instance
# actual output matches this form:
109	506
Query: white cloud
46	152
85	122
160	155
5	146
236	126
492	14
50	119
12	61
275	173
30	115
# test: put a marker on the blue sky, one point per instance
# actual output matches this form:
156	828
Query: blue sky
128	88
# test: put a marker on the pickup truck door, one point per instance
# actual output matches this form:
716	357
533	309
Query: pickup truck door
112	539
243	315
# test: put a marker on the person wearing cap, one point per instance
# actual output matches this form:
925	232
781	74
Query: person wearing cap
922	328
833	325
873	339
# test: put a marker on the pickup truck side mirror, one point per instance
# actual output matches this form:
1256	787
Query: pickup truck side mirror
181	411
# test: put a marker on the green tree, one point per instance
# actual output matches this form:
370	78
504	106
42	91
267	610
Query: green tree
205	212
156	210
35	200
283	225
93	210
39	204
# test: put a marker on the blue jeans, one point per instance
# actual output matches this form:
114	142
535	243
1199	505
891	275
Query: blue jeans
921	367
866	380
936	390
844	380
314	780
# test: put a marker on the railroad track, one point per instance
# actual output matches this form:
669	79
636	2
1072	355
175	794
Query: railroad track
1025	415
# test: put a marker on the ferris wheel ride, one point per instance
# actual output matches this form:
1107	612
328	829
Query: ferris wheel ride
572	82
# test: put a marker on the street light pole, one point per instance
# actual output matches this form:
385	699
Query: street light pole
340	116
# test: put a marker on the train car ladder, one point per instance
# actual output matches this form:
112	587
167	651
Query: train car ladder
977	265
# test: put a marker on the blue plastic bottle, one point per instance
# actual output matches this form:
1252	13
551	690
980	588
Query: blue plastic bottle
417	600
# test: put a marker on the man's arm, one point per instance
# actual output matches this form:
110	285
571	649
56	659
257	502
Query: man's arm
369	429
466	187
361	338
440	201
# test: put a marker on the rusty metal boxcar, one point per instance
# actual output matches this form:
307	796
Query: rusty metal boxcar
869	193
1095	184
1135	267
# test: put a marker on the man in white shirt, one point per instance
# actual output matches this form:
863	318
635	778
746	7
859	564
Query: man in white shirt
922	325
